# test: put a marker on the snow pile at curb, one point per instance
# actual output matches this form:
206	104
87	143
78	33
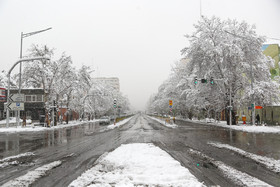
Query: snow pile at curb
31	128
32	176
164	123
269	163
112	126
241	127
137	165
12	159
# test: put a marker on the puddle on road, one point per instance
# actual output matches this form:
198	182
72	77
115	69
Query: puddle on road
16	143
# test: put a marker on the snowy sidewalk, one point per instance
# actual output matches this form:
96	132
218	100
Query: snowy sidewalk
171	125
136	164
240	127
31	128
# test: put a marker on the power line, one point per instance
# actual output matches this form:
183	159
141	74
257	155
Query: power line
273	38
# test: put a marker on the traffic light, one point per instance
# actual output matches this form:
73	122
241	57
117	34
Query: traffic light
195	81
115	103
203	80
211	81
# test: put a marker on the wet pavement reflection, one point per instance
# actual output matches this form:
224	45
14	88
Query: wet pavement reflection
16	143
263	144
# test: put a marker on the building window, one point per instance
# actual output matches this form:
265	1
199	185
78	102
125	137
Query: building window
39	98
34	98
28	114
28	98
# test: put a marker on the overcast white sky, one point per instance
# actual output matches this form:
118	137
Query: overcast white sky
135	40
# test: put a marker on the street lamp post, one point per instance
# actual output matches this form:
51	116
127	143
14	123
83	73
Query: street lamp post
9	79
20	67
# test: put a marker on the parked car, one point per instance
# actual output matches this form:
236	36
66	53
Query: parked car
105	120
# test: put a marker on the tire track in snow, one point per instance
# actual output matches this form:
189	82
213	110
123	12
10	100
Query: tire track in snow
269	163
31	176
238	177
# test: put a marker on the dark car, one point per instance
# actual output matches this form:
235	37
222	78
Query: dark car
105	120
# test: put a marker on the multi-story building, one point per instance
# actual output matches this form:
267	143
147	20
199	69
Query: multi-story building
34	106
112	81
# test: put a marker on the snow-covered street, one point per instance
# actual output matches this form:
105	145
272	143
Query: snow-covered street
140	151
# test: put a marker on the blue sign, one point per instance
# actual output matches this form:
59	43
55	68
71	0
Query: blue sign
170	106
17	104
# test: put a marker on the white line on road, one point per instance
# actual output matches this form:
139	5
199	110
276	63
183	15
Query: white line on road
269	163
238	177
32	176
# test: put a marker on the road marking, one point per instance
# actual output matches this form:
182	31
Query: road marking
31	176
238	177
269	163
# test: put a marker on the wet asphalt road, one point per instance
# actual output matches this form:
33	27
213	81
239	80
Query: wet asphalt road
79	147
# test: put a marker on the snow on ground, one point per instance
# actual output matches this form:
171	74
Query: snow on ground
269	163
238	177
32	128
13	120
12	160
171	125
120	123
241	127
136	164
32	176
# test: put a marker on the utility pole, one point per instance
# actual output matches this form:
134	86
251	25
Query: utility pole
230	107
253	95
53	113
252	79
115	106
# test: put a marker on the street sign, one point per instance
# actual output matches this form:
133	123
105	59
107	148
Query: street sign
258	107
15	106
17	97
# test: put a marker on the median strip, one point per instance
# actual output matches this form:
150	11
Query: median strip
137	164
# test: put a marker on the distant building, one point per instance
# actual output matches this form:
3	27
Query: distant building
112	81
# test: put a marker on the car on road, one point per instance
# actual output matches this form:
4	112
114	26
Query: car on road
105	120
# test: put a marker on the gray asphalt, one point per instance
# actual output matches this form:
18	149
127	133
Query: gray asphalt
79	147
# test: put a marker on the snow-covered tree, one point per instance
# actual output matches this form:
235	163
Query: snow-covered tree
230	53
